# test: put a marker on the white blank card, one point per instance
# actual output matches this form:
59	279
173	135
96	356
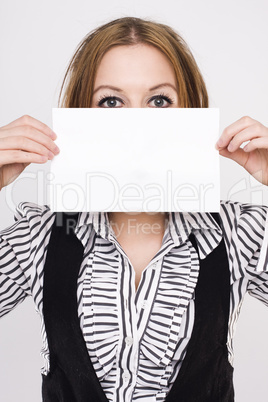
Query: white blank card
135	159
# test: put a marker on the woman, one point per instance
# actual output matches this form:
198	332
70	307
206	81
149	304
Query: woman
127	313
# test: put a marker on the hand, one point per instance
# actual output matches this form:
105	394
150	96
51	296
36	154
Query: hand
254	156
24	141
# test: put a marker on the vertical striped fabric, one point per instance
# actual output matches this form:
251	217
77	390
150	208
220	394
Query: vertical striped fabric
137	340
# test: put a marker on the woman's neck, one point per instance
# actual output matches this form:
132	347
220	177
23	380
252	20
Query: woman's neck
138	223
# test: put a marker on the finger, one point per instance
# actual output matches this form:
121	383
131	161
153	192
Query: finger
253	131
17	156
31	133
256	143
233	129
238	156
25	144
31	121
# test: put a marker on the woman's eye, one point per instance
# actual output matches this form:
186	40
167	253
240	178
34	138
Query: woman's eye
111	101
159	100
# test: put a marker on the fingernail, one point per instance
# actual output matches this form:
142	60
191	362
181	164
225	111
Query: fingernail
50	155
219	143
56	150
54	135
230	147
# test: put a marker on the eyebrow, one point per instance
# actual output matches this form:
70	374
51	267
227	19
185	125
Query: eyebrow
166	84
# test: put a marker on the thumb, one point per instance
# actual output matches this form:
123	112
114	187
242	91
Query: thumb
238	156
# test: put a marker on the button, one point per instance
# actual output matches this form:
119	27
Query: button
145	305
154	266
126	375
128	340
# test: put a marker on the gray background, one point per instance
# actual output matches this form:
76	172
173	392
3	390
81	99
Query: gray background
229	41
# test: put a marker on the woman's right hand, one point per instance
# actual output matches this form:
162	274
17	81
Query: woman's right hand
24	141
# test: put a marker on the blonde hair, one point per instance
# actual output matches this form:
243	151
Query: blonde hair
81	71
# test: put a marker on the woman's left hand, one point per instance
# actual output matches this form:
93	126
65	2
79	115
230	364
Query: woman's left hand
254	156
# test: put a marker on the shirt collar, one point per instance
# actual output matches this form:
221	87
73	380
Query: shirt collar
98	220
207	232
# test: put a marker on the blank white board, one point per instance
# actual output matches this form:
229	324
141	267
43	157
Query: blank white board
135	159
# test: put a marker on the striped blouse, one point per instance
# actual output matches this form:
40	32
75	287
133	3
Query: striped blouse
137	340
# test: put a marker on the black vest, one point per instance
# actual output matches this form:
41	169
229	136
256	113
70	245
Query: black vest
205	375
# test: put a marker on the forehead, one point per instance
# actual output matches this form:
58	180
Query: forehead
134	63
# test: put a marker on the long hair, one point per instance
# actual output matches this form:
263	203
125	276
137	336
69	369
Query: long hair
81	71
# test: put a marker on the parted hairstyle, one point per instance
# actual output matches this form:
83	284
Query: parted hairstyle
78	83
